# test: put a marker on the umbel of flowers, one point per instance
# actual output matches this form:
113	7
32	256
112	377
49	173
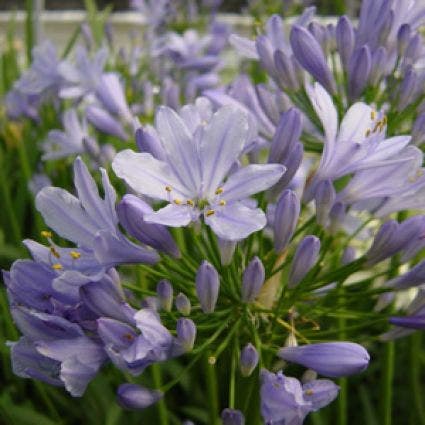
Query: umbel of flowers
250	222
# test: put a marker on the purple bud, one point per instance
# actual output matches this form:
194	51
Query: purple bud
418	130
403	38
407	89
345	40
349	255
265	53
304	259
132	396
333	359
105	122
227	249
379	63
414	277
325	197
232	417
319	33
91	147
310	55
207	286
248	360
147	141
410	322
382	246
285	220
186	333
131	211
337	216
414	48
286	76
182	304
287	133
358	71
253	280
164	292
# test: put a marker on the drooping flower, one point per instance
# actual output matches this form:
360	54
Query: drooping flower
192	175
133	396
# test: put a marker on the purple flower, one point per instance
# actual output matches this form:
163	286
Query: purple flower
232	417
207	286
186	334
182	304
285	401
191	178
248	360
253	280
133	396
334	359
164	291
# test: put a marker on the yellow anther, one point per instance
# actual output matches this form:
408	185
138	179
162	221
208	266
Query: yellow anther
210	212
384	119
309	392
46	234
54	252
190	203
222	202
219	191
372	115
168	188
367	132
75	255
57	266
177	201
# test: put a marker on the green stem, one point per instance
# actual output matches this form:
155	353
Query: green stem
162	408
415	347
232	383
211	381
387	383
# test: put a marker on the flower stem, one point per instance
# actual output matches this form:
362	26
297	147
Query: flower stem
162	408
211	381
387	384
415	347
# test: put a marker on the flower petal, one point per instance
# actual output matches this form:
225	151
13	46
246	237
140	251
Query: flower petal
251	179
236	221
221	145
180	147
171	215
147	175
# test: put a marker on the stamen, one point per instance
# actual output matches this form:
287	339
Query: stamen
168	188
210	212
128	337
46	234
190	203
222	202
219	191
54	252
367	132
177	201
57	266
75	255
309	392
372	115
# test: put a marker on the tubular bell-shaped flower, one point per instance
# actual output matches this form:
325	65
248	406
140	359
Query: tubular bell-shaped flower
192	176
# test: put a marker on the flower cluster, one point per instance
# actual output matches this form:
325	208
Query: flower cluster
251	230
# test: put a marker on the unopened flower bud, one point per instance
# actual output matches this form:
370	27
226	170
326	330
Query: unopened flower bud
186	333
207	286
248	360
132	396
183	304
325	197
304	259
164	292
232	417
253	280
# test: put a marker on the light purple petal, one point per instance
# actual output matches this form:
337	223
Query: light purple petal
171	215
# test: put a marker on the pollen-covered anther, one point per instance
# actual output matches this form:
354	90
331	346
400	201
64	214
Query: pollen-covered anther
168	188
46	234
177	201
309	392
372	115
367	132
75	255
209	213
57	266
219	191
222	203
54	252
190	203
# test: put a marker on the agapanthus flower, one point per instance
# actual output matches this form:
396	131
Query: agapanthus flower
192	176
285	401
